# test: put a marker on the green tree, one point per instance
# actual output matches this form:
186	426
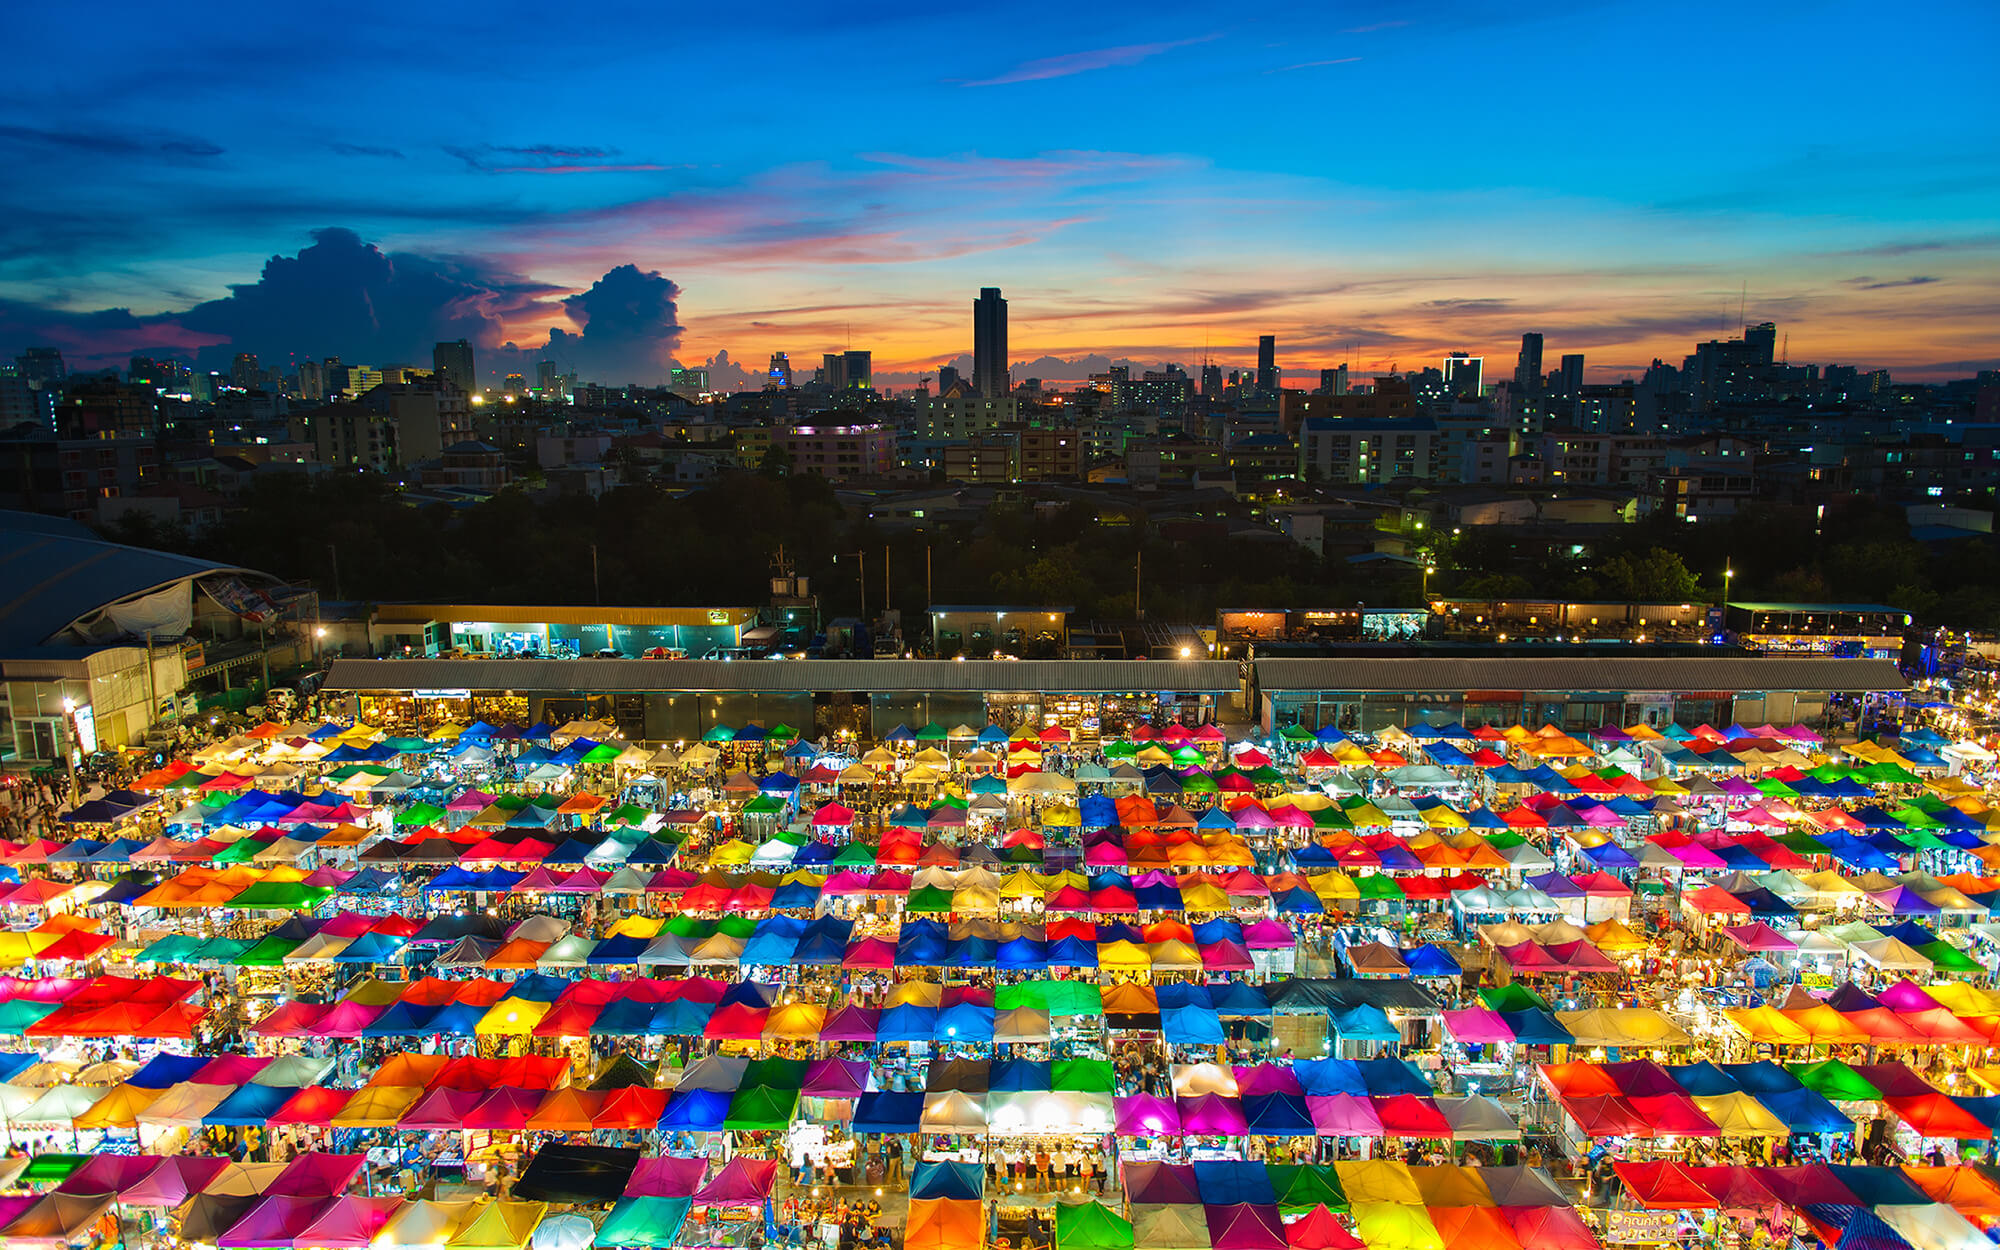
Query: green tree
1654	576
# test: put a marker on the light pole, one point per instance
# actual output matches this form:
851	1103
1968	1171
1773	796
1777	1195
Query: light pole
70	745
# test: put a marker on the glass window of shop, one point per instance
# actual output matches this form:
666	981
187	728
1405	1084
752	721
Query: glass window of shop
1494	708
1011	710
673	717
1693	710
695	640
915	710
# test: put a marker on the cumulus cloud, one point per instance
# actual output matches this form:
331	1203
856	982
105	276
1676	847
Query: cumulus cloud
342	296
628	326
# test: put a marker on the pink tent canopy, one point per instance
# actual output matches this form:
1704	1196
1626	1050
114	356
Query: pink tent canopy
1215	1115
835	1078
1478	1024
274	1221
176	1180
1343	1115
1758	936
1321	1230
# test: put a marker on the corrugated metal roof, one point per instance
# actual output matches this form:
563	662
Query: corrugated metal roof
56	574
1364	674
1041	676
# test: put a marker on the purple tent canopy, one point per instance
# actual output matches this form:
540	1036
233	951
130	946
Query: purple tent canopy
1245	1226
110	1174
441	1110
1161	1183
1268	934
316	1174
349	1221
173	1182
740	1181
1907	996
851	1024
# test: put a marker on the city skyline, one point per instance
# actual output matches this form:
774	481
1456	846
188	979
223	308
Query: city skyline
1060	161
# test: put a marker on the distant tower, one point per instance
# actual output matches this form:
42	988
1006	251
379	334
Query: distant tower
1464	375
947	377
989	344
1267	362
1528	368
781	370
1569	382
857	370
452	362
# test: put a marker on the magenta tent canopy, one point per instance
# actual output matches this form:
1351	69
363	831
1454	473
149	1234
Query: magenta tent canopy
1758	936
1226	956
110	1174
176	1180
835	1078
1212	1115
1907	996
316	1174
349	1223
1478	1024
851	1024
1266	1078
1245	1226
1146	1115
1267	934
741	1181
1343	1115
441	1110
230	1070
666	1176
274	1221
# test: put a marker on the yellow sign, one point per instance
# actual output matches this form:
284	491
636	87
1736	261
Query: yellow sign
718	616
1641	1227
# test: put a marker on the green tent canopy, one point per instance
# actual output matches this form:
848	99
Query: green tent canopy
930	899
420	814
269	953
281	896
1087	1225
1081	1076
1515	997
1301	1187
18	1014
630	814
644	1223
721	733
761	1108
1835	1081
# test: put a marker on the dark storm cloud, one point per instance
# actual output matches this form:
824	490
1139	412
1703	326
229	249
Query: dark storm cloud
1866	283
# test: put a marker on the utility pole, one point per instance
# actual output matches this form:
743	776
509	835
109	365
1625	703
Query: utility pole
596	591
888	594
333	553
1138	583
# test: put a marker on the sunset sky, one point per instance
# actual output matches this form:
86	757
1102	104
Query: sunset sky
1373	183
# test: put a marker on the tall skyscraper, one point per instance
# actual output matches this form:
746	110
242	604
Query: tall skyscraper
857	370
947	377
1528	367
1333	381
244	374
833	371
1569	380
453	363
989	345
547	376
781	370
1211	381
1464	376
1267	362
312	381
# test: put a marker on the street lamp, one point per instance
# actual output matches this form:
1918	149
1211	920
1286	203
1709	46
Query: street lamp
1728	574
69	746
1428	570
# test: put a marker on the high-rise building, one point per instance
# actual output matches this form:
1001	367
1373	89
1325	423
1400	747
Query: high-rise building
1763	340
312	381
857	370
333	377
833	371
1528	366
1464	376
1211	381
42	367
244	374
948	377
1333	381
989	344
1569	376
780	371
1267	362
452	363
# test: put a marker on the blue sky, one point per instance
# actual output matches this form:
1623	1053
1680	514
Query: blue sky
1373	183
